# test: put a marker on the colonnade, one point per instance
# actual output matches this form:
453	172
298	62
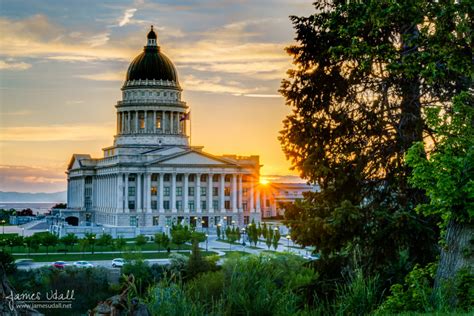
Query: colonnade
150	122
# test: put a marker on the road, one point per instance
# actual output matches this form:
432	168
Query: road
96	263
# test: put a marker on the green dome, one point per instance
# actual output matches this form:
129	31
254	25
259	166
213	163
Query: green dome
152	64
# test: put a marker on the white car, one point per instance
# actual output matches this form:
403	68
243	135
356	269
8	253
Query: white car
83	264
118	262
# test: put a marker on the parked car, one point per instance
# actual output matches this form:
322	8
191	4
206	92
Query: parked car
24	262
118	262
83	264
312	257
59	264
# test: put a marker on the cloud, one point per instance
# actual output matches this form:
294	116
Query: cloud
127	16
56	133
18	66
213	85
31	179
104	76
98	40
17	113
253	95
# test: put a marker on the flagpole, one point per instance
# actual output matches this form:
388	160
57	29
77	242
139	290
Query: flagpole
190	130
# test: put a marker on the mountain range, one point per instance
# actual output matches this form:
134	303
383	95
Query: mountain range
24	197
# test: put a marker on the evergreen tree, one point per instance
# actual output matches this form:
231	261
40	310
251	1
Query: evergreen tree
365	73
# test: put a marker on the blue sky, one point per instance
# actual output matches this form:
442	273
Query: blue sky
62	64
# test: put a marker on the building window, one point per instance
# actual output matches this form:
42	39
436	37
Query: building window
245	206
203	205
179	205
131	178
229	220
154	205
131	205
156	220
166	205
215	191
227	178
179	191
246	220
203	191
167	177
133	221
191	205
217	219
215	178
267	203
166	191
227	205
153	191
191	178
215	205
158	122
179	177
245	191
203	178
154	177
131	191
141	120
227	191
191	191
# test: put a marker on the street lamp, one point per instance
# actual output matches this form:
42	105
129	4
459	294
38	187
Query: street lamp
3	227
289	238
93	242
202	226
243	237
206	241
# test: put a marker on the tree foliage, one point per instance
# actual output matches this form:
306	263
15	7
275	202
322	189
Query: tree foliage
365	72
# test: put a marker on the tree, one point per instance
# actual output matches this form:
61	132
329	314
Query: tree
105	240
264	231
180	235
228	232
365	71
7	261
69	240
91	240
218	231
32	242
447	176
198	237
15	241
276	239
120	243
162	240
140	240
49	240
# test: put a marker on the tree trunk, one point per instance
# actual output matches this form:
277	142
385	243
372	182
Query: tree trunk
456	254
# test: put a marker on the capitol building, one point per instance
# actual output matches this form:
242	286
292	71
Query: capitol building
151	176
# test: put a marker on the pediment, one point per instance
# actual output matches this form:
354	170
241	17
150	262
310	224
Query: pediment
193	158
75	162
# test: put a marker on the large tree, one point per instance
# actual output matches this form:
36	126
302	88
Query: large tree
365	71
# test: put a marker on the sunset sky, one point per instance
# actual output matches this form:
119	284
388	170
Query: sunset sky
62	64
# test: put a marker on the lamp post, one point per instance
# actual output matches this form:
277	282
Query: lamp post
167	232
289	238
3	227
243	238
93	242
206	241
220	231
202	226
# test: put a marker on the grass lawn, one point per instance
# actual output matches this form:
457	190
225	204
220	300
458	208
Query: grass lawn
104	256
77	248
235	254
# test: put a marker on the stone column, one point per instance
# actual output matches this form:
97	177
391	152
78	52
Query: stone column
173	192
127	210
123	123
251	194
234	192
185	192
222	192
160	194
163	122
240	193
154	122
118	190
197	193
145	117
138	196
257	201
136	121
210	209
148	192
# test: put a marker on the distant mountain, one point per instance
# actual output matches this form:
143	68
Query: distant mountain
20	197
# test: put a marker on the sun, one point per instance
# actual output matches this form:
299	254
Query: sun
264	181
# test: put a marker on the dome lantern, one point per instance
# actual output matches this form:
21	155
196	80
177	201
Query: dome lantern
152	38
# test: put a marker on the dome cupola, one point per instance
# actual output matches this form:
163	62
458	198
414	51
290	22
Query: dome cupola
152	64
